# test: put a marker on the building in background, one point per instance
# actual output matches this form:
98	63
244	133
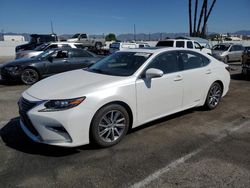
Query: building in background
13	38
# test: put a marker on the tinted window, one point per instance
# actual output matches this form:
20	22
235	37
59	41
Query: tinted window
64	46
60	54
197	45
80	53
192	60
167	62
52	46
168	43
83	36
189	44
79	46
180	44
221	47
115	45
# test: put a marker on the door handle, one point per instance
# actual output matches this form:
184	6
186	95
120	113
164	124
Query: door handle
208	71
178	78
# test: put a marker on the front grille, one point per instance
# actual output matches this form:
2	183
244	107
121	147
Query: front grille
24	107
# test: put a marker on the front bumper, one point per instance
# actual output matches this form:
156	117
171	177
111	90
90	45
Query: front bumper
246	69
68	128
6	75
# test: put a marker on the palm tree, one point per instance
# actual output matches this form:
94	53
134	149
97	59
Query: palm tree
190	17
195	13
200	31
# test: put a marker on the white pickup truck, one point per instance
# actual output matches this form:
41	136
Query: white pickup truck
183	43
83	38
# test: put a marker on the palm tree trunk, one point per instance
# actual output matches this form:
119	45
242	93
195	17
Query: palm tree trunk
209	12
195	14
201	15
190	17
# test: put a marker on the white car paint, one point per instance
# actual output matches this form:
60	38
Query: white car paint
148	100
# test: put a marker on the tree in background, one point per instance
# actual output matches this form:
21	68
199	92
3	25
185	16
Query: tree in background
200	30
110	37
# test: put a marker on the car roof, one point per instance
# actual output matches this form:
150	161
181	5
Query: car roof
62	42
156	50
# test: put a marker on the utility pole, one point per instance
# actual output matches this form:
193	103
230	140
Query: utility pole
134	33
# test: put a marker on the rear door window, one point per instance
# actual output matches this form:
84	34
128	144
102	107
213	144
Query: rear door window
192	60
190	44
180	44
168	43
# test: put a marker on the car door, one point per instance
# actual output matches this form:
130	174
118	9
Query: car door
158	97
196	73
58	62
80	59
238	52
232	53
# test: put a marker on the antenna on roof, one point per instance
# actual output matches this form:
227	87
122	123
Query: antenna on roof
51	25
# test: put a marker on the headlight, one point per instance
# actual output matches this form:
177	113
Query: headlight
13	70
64	104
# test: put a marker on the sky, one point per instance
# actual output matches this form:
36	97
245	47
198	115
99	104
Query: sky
116	16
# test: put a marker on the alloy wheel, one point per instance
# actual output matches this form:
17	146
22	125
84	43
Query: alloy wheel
111	126
214	95
29	76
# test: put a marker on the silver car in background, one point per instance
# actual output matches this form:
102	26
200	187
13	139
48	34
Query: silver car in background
228	52
46	46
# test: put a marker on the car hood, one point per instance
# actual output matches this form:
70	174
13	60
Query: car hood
72	84
217	51
19	62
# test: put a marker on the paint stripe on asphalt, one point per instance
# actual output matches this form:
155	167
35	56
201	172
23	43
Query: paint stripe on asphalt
183	159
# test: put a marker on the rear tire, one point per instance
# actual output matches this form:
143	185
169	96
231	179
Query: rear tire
109	125
213	96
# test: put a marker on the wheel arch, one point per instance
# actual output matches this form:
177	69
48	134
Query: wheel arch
123	104
34	68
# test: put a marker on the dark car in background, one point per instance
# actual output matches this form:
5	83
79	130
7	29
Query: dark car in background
246	62
50	62
46	46
37	40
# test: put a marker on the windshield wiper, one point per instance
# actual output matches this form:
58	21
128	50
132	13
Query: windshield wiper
95	70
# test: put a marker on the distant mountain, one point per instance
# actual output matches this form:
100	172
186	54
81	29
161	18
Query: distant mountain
129	36
242	32
149	36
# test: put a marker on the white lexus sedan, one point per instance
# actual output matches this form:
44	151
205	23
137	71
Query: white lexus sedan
120	92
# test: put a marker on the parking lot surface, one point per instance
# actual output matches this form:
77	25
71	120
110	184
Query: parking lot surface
194	148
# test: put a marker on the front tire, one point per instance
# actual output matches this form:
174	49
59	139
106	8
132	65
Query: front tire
109	125
29	76
98	45
213	96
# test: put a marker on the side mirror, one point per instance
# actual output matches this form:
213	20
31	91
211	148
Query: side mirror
153	73
50	59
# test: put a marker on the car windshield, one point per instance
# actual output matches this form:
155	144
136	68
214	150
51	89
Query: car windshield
41	47
221	47
45	54
120	63
75	36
